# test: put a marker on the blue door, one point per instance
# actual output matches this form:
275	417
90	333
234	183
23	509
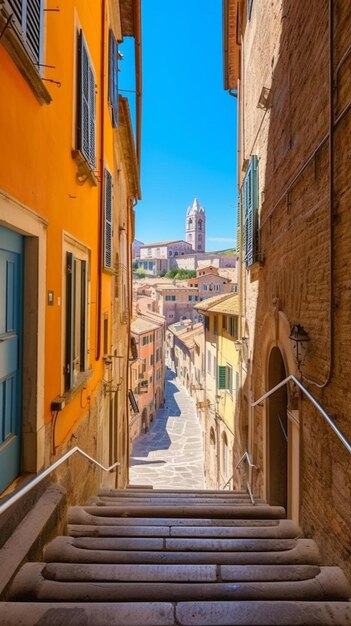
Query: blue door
11	261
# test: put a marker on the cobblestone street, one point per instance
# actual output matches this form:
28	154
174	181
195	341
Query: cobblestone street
170	455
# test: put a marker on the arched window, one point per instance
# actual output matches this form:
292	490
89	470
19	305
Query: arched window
170	253
176	253
200	224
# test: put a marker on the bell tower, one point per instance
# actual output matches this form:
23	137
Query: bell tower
195	227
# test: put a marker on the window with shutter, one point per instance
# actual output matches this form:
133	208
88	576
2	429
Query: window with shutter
28	23
221	377
76	316
250	188
113	78
107	256
86	104
225	377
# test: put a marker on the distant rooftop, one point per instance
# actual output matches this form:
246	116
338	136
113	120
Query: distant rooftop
164	243
225	303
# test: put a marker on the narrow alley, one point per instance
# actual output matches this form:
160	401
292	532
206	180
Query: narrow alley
170	454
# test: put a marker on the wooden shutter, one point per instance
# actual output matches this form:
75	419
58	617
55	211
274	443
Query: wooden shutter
113	77
86	104
28	23
107	258
83	316
251	211
222	377
69	322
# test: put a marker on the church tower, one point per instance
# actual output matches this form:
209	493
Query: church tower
195	228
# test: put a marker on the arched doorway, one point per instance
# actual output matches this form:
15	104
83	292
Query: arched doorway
277	433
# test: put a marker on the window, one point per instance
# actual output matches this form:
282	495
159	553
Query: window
215	325
225	377
76	317
208	361
28	24
107	249
207	323
230	325
151	359
200	224
192	298
249	9
170	298
113	78
250	189
86	104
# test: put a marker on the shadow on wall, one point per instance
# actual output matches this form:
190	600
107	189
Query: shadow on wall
157	437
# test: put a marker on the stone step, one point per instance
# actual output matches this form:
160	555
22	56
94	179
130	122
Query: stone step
154	493
258	551
81	572
98	516
180	492
225	613
179	544
30	584
114	501
284	529
214	511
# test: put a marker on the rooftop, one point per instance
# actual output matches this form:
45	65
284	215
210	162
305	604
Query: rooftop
226	303
164	243
141	325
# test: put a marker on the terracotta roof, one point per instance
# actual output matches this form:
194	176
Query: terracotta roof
141	325
226	303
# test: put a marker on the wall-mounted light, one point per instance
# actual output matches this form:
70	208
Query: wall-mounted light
299	340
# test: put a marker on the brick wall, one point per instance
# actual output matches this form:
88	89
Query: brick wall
285	49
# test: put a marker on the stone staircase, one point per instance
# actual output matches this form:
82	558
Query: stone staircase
142	557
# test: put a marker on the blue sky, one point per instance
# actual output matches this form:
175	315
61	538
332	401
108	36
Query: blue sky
188	123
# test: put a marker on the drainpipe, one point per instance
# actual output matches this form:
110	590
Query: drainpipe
101	194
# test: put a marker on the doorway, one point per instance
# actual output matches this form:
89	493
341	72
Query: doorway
277	433
11	304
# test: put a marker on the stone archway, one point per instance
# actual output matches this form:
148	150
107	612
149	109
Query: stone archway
277	433
280	363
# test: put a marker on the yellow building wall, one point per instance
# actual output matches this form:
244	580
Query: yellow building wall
227	354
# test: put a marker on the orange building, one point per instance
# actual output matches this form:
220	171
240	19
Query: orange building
147	371
69	178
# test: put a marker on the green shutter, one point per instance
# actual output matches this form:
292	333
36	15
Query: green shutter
222	377
251	211
69	322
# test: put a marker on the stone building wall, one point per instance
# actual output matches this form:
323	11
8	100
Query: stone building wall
305	246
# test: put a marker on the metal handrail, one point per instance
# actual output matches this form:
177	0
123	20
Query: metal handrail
246	457
312	399
35	481
228	481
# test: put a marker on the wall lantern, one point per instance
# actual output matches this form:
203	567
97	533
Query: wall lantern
299	339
